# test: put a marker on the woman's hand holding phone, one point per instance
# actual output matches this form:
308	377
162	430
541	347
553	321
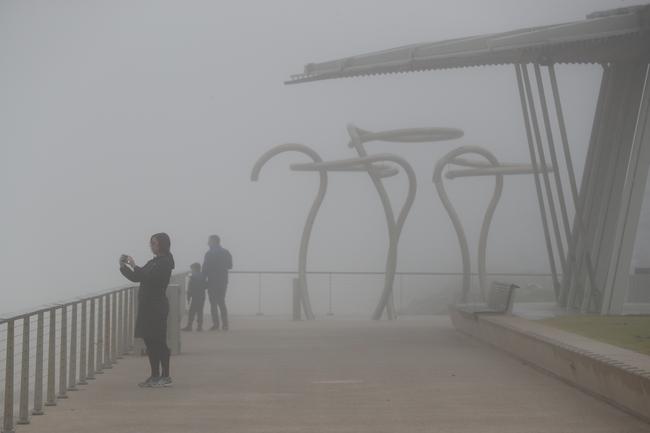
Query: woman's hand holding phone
126	260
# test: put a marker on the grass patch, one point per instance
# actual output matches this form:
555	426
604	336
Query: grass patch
629	332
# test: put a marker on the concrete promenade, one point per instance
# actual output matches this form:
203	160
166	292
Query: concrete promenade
272	375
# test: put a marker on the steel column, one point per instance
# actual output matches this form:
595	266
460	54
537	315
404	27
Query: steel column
584	243
550	200
553	154
538	187
627	220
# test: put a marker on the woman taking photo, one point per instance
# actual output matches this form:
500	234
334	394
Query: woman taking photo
153	306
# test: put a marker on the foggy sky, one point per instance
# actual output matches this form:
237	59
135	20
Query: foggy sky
119	119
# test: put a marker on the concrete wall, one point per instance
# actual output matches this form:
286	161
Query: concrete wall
616	375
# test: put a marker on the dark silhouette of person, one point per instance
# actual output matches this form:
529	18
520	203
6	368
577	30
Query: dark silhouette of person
153	306
216	264
196	297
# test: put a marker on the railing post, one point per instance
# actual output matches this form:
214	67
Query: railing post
296	300
134	317
91	342
259	294
8	418
127	321
132	312
124	319
100	336
23	409
107	332
83	339
401	290
63	354
51	361
38	370
72	375
330	312
119	307
127	304
391	299
174	297
114	333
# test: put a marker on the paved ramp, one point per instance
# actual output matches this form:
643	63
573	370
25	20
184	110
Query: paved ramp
272	375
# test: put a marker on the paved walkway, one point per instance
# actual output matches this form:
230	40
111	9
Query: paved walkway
272	375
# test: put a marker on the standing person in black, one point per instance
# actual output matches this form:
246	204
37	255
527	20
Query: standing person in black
216	264
196	297
153	306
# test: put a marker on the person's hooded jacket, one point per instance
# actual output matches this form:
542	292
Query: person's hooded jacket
153	306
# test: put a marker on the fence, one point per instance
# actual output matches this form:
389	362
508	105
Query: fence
87	336
355	293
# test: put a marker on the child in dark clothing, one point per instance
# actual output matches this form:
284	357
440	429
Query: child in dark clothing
196	297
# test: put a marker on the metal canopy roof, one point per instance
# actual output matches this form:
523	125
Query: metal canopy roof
604	37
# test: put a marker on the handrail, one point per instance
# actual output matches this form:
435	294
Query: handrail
510	274
4	317
87	334
14	315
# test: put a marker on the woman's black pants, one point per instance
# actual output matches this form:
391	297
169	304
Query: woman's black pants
158	353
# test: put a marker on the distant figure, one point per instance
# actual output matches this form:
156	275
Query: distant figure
216	264
196	297
153	306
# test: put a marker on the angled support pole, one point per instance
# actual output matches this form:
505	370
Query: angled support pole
538	184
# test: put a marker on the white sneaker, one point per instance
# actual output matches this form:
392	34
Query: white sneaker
162	382
148	383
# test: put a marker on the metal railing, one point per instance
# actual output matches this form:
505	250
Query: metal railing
87	336
332	288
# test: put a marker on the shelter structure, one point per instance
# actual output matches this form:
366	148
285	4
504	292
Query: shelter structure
590	225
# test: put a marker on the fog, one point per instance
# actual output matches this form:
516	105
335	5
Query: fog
119	119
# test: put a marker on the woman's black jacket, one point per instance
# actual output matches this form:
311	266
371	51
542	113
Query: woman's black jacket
153	306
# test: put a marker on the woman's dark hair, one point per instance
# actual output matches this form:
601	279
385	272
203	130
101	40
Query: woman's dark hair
195	267
164	243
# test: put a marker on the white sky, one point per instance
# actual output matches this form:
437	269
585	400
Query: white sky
119	119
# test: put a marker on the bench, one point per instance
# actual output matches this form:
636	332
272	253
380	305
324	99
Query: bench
500	298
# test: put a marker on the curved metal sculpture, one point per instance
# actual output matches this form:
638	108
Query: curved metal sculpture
395	227
309	224
414	135
491	167
460	233
377	172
